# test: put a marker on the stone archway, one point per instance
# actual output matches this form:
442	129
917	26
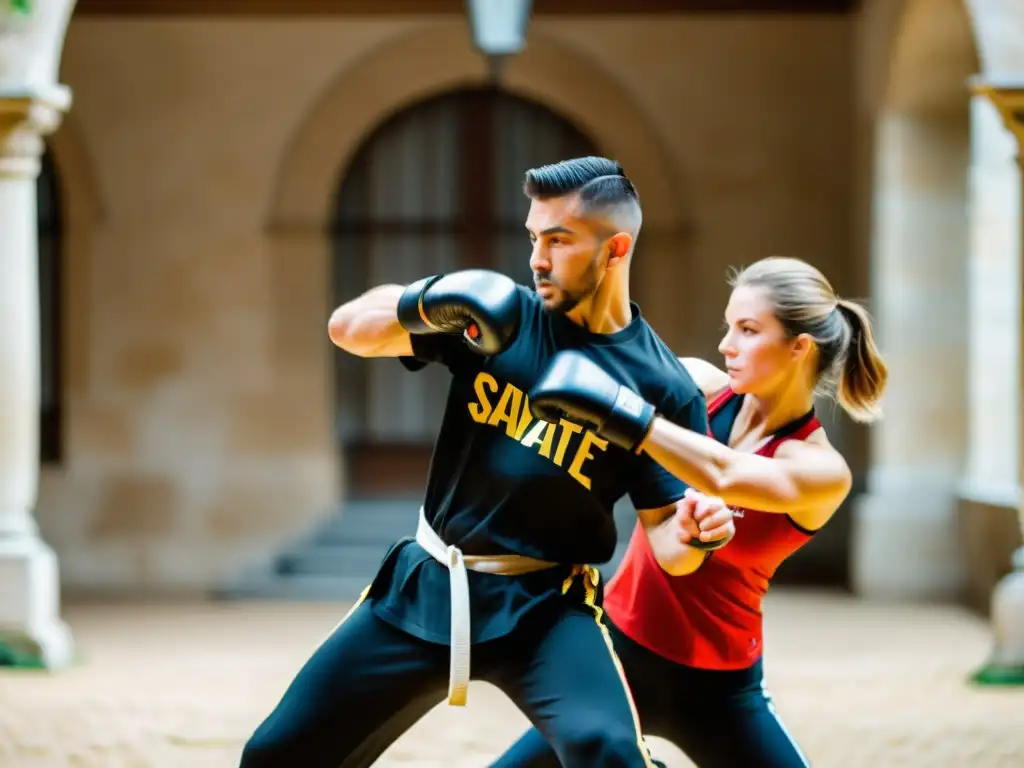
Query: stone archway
435	188
997	25
82	210
427	62
439	58
905	541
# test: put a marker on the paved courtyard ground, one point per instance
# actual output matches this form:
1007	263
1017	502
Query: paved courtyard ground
182	685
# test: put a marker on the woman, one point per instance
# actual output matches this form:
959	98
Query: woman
691	645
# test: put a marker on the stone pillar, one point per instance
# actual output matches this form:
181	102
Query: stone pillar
904	538
993	279
1006	664
988	494
31	105
30	627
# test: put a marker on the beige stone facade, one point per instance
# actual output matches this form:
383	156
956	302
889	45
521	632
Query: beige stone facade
199	401
199	168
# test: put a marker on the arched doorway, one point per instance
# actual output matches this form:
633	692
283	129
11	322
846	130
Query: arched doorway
49	231
435	188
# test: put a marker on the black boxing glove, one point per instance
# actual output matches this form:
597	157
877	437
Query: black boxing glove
576	387
482	305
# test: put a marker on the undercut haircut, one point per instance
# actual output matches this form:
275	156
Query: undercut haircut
599	184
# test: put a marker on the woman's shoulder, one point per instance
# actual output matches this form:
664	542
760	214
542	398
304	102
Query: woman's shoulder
816	451
709	378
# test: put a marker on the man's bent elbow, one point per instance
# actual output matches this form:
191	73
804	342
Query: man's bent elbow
344	332
338	327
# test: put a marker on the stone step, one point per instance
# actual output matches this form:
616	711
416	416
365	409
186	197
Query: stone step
364	523
349	560
336	561
379	507
306	588
332	560
322	587
362	531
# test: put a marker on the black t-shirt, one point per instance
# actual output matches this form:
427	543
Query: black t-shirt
502	481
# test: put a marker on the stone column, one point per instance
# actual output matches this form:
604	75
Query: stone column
31	631
988	494
31	105
1006	664
904	540
994	279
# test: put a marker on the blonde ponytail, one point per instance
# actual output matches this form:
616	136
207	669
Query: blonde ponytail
863	373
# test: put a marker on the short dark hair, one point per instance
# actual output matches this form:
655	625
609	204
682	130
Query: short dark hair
599	182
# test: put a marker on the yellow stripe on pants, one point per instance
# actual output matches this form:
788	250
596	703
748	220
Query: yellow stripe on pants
591	578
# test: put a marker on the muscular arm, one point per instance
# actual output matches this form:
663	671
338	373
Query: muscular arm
805	480
666	526
368	325
663	533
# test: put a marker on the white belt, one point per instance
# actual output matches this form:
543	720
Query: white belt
457	564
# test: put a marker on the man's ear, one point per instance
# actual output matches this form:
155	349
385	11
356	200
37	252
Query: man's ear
618	248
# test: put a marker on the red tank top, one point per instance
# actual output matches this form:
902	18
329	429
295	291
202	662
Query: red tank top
710	619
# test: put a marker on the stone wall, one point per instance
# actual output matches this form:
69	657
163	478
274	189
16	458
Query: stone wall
198	405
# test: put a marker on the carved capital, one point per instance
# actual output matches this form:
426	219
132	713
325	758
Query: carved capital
1008	98
25	118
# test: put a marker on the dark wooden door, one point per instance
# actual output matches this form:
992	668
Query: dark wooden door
435	188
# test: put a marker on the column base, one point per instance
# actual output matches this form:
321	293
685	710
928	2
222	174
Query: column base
905	547
989	528
32	633
1006	664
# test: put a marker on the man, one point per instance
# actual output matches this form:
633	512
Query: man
514	504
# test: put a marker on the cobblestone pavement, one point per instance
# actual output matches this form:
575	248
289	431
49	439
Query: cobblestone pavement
182	685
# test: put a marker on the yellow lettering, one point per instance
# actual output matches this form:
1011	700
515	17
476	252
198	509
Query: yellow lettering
525	417
549	439
507	410
583	454
480	411
568	430
513	409
533	436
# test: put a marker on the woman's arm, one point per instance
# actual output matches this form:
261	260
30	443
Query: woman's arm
804	479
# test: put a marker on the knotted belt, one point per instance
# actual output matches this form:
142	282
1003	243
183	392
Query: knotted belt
457	564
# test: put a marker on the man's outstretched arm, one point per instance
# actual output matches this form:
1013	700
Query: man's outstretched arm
368	326
481	305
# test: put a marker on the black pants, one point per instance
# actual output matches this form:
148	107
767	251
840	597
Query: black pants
720	719
369	682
